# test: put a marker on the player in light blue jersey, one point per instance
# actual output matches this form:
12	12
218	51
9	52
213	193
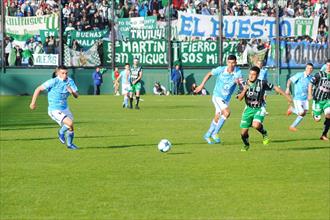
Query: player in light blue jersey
227	77
125	83
301	81
59	89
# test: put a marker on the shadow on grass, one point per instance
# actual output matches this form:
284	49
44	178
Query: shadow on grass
304	148
134	145
178	153
30	126
117	146
55	137
27	128
293	140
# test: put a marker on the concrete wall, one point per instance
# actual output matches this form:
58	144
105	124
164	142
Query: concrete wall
24	81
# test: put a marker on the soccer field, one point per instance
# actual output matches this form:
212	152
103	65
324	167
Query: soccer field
118	173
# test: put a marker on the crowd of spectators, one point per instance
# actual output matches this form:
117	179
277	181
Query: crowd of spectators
84	15
23	52
26	8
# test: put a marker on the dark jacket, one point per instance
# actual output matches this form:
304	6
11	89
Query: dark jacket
97	78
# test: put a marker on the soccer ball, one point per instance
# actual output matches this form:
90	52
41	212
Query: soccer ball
164	145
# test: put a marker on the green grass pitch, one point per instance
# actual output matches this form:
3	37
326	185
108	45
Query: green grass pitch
118	173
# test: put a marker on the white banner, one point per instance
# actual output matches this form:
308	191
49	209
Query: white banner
31	25
244	27
45	59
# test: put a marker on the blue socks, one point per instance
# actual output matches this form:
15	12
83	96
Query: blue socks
69	139
63	129
211	129
221	122
297	121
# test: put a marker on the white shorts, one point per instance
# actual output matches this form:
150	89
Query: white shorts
301	106
59	115
124	88
219	104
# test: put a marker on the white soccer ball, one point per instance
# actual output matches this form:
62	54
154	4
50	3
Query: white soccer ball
164	145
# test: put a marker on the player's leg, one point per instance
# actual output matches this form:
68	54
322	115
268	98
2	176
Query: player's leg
245	139
224	114
131	92
300	108
246	122
124	91
326	122
65	120
317	110
214	122
258	119
292	109
137	95
70	133
58	117
68	121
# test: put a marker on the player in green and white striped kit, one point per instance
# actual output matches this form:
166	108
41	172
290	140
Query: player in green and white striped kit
254	113
319	91
135	81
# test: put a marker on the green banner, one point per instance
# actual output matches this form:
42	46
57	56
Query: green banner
154	52
149	52
86	39
202	53
48	33
127	24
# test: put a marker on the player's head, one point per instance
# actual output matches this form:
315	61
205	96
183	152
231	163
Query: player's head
62	72
309	68
231	62
177	66
136	61
328	66
127	66
98	69
254	73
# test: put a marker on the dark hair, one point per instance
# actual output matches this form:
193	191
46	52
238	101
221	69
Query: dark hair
310	64
231	57
62	67
328	61
255	69
127	64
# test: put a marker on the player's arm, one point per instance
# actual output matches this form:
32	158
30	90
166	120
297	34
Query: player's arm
280	91
243	91
201	86
287	91
310	89
313	82
73	93
72	89
36	93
